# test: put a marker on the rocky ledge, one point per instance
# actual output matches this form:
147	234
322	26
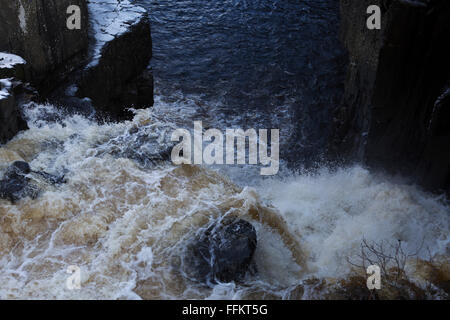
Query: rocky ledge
223	252
116	76
396	110
104	62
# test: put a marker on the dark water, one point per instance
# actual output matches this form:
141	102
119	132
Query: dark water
252	64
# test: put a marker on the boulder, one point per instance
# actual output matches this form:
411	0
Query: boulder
15	183
222	253
18	168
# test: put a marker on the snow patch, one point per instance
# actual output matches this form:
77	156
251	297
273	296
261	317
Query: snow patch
8	60
110	18
5	86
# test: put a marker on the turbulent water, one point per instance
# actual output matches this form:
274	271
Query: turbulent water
126	214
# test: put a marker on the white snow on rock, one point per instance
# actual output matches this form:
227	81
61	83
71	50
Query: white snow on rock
110	18
8	60
5	86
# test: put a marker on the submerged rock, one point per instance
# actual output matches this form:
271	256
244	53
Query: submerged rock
15	183
18	168
222	253
100	67
51	178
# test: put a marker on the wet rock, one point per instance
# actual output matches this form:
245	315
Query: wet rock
222	253
51	178
117	77
12	91
147	145
15	183
108	70
9	113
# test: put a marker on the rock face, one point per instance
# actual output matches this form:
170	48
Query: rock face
223	253
36	30
395	114
16	185
103	65
117	76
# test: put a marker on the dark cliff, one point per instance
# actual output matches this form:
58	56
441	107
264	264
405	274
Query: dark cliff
36	30
106	59
396	111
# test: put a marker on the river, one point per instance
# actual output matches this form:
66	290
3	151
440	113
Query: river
125	214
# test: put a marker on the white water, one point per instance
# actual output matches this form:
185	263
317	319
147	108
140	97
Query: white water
124	222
